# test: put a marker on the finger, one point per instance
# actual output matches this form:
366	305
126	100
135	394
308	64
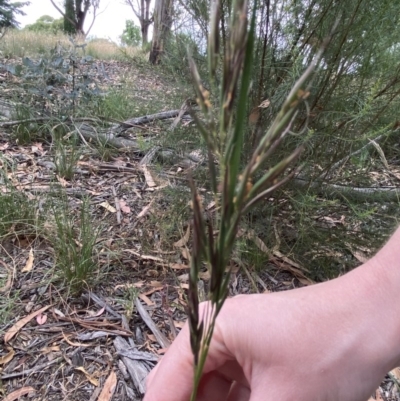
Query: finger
213	387
173	378
239	392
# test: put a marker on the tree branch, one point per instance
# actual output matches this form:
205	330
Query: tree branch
63	14
129	2
58	9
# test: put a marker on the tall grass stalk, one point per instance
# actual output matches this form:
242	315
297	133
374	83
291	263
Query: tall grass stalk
236	189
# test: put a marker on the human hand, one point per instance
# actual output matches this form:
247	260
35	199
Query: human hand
332	341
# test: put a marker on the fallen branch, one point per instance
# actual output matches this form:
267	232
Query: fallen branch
361	194
90	134
147	119
162	340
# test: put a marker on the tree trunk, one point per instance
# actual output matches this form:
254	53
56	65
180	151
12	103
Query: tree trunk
75	14
162	27
81	14
143	15
146	21
69	17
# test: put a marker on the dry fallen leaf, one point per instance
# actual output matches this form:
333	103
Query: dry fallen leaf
75	344
124	207
53	348
185	253
360	256
21	323
378	395
107	391
8	357
184	240
145	210
162	351
144	257
153	290
8	283
92	379
179	324
41	319
96	314
139	284
108	207
15	395
289	261
146	299
29	262
37	147
178	266
284	265
264	104
62	181
202	275
147	175
396	374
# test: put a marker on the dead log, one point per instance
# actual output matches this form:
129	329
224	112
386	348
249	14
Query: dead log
337	191
91	134
132	122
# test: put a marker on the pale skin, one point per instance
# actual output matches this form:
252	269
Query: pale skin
327	342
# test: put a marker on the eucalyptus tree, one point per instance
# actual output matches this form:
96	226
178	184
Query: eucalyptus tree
141	9
8	13
163	18
74	13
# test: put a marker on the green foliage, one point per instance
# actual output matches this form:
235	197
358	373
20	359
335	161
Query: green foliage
69	18
58	79
16	210
66	157
46	24
119	104
27	130
74	245
176	58
8	12
131	35
105	150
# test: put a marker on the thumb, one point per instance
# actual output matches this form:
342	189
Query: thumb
172	378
